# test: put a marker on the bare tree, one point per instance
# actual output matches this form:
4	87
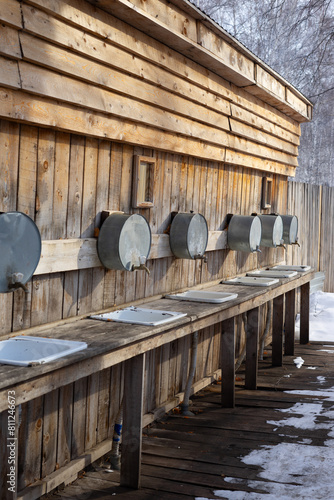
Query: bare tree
296	38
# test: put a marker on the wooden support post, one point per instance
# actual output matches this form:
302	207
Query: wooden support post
228	363
132	421
305	313
290	319
278	307
252	348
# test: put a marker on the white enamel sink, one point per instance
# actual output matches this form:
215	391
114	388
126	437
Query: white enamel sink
204	296
251	281
299	269
25	351
272	273
140	316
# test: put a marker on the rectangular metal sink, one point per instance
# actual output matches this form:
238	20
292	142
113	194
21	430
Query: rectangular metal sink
140	316
298	269
251	281
204	296
27	351
272	273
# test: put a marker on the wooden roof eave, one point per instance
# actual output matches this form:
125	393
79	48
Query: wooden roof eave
242	73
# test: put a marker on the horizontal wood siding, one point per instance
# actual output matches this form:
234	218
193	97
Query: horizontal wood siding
79	69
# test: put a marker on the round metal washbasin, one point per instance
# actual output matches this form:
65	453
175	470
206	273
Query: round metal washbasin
244	233
124	241
188	237
20	244
272	230
290	229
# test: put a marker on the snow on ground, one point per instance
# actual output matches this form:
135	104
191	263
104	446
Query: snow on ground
309	468
321	317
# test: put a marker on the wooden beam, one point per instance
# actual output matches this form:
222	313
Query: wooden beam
228	363
290	320
252	348
132	421
72	254
277	334
305	313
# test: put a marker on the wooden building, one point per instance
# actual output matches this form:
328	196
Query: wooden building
89	89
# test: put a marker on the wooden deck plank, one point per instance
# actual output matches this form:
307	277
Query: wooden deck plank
189	457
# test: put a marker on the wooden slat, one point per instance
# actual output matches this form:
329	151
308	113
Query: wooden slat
289	325
305	313
228	363
277	343
133	411
46	112
10	12
252	347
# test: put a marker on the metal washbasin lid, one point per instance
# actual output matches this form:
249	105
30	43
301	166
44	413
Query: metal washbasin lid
251	281
203	296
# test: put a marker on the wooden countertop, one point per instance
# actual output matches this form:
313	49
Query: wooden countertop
110	343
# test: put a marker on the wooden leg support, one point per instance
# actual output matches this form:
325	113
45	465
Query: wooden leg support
132	422
305	313
252	348
228	363
278	307
290	319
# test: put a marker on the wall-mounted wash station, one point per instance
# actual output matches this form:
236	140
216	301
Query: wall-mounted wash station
124	242
272	231
290	229
20	243
244	233
188	237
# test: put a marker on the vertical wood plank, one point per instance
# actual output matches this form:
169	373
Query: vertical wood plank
305	313
61	175
30	443
79	417
133	411
103	405
50	433
65	414
228	363
277	351
252	348
92	410
290	318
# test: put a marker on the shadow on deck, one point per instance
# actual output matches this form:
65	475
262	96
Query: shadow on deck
226	449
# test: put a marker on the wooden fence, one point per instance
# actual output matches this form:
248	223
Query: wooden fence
314	207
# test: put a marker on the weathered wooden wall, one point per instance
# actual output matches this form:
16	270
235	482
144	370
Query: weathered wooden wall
314	207
82	92
63	181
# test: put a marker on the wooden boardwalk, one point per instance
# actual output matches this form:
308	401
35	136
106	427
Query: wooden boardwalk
188	457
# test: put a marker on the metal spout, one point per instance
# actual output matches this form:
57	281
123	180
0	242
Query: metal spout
15	282
282	246
201	257
258	250
296	243
141	266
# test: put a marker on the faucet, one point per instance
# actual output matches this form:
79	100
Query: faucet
201	257
142	265
15	282
281	245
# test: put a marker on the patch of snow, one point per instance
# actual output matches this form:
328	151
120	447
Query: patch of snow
292	470
321	317
298	362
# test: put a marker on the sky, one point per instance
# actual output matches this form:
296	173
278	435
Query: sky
309	468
